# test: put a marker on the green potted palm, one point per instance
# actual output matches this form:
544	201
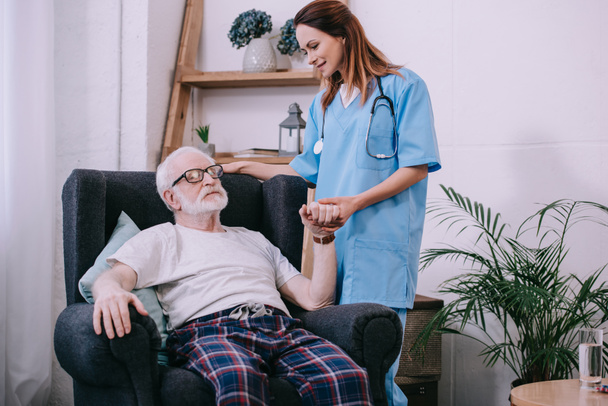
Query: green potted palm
515	298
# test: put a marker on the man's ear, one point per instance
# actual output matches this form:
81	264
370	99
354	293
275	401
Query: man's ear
172	199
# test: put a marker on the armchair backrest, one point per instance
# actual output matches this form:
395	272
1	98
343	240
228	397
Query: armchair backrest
93	201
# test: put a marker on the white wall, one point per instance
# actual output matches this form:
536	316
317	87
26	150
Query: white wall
519	91
114	69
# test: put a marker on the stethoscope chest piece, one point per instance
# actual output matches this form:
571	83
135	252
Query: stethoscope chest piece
318	147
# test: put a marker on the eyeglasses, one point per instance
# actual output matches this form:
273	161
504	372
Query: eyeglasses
196	175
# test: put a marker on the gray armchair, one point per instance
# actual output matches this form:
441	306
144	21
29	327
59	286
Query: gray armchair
125	371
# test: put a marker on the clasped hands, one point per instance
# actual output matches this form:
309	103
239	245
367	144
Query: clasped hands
329	214
319	218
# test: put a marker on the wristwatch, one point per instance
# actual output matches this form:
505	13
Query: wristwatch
325	240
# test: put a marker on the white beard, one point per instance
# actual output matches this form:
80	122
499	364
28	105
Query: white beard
202	206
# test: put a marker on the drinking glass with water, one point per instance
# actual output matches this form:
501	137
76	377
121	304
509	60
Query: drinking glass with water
590	357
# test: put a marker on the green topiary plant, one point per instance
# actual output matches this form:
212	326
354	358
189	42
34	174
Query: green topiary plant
288	44
247	26
526	311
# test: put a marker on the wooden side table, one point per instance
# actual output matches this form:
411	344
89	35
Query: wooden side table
557	393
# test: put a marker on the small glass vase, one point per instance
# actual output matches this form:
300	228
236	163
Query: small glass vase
259	57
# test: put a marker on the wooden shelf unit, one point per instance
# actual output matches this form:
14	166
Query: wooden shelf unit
227	157
186	77
238	79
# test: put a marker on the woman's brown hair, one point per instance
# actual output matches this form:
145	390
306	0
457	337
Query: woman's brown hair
362	60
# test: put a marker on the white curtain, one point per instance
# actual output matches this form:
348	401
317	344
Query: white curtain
27	200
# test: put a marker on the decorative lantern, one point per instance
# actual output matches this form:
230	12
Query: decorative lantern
290	130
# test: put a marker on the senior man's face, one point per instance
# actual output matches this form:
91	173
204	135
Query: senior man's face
202	197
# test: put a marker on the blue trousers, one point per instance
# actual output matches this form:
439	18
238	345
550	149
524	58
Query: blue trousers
394	394
237	356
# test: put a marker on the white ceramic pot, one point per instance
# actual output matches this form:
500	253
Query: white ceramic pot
259	57
207	148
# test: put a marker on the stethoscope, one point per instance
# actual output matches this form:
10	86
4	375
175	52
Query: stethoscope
318	147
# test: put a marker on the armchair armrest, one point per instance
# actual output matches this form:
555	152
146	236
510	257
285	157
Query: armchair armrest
370	333
128	363
283	197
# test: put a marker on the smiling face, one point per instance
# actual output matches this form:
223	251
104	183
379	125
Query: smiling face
324	51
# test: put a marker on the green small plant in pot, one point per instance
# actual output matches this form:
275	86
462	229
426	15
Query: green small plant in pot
204	145
203	132
515	298
249	25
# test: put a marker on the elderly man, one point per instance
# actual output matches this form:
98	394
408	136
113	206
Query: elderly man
221	289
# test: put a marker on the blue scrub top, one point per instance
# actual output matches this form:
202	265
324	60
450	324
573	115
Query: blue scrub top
378	248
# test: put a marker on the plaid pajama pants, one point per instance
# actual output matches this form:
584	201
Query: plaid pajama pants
237	356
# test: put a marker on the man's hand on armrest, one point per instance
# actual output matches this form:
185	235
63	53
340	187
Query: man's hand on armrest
112	293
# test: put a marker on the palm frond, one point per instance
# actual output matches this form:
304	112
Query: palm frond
520	288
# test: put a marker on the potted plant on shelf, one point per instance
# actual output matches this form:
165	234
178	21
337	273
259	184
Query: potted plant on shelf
247	30
204	145
288	44
525	308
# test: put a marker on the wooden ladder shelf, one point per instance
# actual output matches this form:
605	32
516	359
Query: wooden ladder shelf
186	76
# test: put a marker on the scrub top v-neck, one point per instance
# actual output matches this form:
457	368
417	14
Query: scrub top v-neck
378	247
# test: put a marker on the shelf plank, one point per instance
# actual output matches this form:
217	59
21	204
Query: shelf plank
227	157
238	79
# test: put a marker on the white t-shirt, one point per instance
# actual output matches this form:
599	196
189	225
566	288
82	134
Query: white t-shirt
347	98
196	273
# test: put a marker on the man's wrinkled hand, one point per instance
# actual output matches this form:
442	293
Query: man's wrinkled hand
112	307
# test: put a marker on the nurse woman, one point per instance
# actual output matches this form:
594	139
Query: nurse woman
369	145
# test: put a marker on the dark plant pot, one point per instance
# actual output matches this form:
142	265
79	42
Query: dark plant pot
514	384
